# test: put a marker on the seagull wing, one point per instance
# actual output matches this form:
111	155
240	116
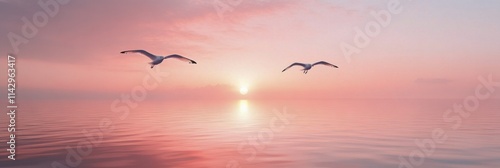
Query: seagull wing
181	58
143	52
294	64
325	63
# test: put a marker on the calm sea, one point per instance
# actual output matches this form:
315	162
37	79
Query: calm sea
255	133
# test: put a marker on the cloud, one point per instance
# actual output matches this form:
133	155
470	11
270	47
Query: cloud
89	30
93	31
432	81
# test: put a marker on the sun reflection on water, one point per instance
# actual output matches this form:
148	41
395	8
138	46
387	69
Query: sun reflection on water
244	106
243	111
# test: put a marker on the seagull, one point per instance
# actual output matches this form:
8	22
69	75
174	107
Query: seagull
307	67
158	59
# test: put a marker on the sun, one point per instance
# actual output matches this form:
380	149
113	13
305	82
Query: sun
244	90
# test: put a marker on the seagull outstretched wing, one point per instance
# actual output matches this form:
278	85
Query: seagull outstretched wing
325	63
181	58
294	64
143	52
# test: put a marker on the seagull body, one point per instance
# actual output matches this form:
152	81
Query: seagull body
307	67
158	59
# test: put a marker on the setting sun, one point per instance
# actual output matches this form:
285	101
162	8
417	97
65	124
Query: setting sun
244	90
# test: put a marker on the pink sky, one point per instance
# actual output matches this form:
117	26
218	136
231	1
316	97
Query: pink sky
430	50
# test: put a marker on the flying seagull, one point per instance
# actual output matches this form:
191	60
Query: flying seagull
307	67
158	59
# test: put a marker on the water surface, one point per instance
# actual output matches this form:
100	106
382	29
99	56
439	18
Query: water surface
251	133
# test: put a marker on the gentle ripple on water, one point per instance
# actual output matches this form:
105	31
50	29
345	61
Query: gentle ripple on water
324	133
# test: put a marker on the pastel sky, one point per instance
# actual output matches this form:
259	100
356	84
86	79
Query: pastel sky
432	49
